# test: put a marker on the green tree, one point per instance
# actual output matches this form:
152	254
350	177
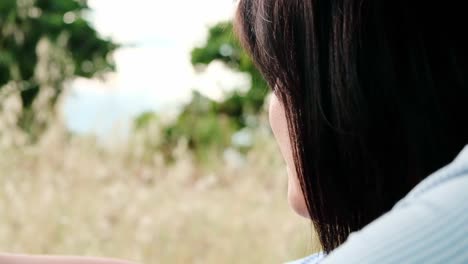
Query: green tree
222	45
206	129
208	125
43	44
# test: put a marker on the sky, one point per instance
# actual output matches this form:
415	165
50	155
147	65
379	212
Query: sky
153	67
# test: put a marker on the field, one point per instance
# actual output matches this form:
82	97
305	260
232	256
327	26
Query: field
68	195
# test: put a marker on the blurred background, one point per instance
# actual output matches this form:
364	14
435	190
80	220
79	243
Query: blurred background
138	130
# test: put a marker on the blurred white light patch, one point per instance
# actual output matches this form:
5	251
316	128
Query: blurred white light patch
164	74
233	158
183	21
217	80
243	138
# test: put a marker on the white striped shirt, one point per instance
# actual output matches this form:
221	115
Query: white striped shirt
429	225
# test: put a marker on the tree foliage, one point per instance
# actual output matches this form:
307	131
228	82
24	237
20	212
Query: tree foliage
44	43
223	46
209	125
203	125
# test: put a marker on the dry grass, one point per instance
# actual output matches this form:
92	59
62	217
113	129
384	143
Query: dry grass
68	196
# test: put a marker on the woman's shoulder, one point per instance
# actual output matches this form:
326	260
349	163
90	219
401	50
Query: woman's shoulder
429	229
312	259
450	178
427	226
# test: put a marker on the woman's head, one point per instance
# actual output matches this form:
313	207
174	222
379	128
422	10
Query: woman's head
369	99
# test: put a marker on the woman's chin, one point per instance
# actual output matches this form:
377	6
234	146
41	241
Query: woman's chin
297	203
295	197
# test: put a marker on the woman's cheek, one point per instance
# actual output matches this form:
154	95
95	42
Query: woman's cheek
279	127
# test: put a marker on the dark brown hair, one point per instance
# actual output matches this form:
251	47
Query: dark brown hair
375	93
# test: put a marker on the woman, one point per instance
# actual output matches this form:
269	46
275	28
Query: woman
368	105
